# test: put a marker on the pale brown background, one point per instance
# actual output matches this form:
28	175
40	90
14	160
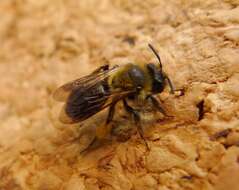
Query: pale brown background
44	44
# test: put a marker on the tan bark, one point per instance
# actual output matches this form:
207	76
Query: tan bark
47	43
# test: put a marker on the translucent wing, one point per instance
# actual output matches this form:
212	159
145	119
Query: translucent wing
84	83
88	95
81	105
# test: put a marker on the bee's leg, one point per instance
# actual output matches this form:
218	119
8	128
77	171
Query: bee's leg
103	131
172	89
170	85
101	68
110	114
89	146
136	116
157	105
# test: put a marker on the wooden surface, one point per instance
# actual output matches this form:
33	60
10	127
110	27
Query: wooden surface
44	44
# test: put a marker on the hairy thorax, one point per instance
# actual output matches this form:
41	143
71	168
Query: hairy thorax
130	77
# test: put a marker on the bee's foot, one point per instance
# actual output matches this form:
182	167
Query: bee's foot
179	92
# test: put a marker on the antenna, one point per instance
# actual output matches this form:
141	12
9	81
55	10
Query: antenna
157	55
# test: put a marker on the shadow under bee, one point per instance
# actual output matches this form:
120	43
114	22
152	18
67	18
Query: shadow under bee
123	128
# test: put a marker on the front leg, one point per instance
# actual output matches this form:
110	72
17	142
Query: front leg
136	116
157	105
170	85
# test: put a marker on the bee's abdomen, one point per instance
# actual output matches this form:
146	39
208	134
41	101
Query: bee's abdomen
84	103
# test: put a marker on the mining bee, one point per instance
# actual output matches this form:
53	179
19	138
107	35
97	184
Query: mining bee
106	86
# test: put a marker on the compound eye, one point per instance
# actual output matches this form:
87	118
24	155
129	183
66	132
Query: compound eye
151	67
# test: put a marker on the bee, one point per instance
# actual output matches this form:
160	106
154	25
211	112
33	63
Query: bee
105	87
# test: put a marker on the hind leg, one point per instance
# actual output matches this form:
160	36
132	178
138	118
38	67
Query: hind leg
103	131
136	116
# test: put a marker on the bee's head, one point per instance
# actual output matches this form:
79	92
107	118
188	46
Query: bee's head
158	76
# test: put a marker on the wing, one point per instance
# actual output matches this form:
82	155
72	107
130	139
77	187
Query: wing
81	106
84	83
88	95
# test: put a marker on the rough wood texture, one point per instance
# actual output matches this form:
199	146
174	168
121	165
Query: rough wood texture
47	43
